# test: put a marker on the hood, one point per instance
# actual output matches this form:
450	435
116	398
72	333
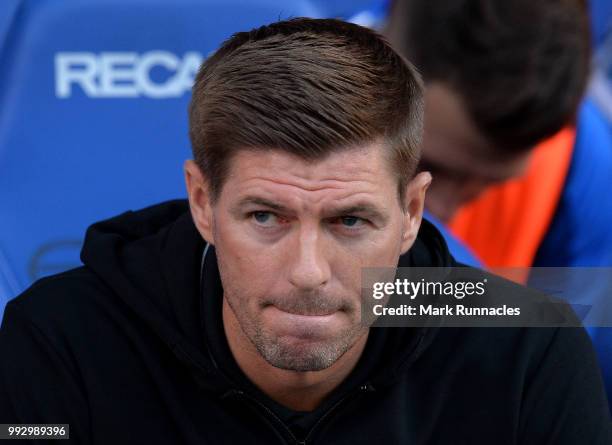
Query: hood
151	260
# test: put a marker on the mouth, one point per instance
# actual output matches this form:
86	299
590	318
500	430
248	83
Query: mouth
307	313
306	325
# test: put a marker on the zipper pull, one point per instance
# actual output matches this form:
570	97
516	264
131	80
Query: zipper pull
367	387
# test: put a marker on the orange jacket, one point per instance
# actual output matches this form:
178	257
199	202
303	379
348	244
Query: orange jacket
506	224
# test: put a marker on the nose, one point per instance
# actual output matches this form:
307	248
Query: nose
309	269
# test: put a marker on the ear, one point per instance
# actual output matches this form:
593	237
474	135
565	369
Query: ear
199	200
414	202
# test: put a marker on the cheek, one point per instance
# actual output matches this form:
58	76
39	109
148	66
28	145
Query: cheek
381	251
247	271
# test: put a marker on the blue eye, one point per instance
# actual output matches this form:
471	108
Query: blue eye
261	217
265	220
351	221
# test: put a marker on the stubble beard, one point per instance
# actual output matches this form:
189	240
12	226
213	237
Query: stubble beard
290	354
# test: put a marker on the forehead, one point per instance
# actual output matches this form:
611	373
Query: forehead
361	171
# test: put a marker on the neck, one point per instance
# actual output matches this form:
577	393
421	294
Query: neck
299	391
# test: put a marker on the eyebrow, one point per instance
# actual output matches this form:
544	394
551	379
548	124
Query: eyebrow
365	209
255	200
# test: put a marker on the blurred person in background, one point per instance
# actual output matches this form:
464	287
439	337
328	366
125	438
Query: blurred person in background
505	115
521	164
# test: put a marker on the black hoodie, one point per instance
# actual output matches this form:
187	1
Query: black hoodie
130	349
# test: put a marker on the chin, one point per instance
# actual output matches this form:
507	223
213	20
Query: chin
301	359
304	354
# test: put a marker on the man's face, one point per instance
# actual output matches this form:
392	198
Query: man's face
462	162
291	239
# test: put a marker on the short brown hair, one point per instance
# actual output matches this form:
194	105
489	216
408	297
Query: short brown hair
308	87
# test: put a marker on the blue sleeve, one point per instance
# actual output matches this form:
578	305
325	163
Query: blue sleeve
581	231
457	249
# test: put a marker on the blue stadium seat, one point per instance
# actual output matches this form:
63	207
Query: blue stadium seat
93	114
